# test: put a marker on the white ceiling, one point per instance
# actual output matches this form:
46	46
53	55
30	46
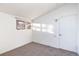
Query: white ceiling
28	10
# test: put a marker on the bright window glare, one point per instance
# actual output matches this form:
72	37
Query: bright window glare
36	24
33	28
50	29
43	25
50	26
44	30
51	32
37	29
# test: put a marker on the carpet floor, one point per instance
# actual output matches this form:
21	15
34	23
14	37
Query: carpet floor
35	49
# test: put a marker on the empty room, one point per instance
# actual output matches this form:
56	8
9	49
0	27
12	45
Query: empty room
39	29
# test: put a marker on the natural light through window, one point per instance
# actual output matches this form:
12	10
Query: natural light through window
33	28
44	30
36	24
49	28
43	26
36	27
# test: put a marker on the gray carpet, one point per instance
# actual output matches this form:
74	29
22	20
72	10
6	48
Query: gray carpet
35	49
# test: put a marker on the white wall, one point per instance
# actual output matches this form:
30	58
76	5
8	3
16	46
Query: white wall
23	37
11	38
45	38
78	30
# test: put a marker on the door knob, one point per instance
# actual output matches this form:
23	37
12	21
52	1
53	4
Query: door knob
60	35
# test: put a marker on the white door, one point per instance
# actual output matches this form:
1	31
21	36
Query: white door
67	33
52	34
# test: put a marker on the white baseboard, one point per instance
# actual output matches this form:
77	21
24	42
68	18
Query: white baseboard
4	51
